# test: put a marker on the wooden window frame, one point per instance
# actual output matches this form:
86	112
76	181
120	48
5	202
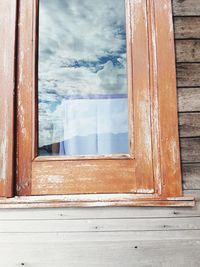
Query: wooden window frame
153	109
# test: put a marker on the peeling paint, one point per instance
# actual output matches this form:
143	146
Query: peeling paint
53	179
21	115
4	146
3	165
173	151
21	69
146	125
145	191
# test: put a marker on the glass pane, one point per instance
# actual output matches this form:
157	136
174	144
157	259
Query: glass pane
82	84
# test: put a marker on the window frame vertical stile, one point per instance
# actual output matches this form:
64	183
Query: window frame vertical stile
8	19
170	161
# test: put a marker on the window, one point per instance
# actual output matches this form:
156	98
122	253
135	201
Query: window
82	89
96	109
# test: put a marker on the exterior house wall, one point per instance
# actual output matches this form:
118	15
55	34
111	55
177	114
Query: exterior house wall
124	236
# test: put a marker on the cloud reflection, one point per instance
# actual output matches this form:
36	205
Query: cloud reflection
82	50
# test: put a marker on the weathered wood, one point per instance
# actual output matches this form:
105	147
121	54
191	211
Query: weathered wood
101	225
109	212
167	100
191	176
187	27
187	51
190	148
24	98
58	177
7	84
97	200
84	175
86	237
133	248
189	99
186	8
189	124
188	74
167	252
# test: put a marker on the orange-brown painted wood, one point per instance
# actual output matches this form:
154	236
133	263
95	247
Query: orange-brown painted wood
167	100
25	94
96	200
152	168
7	84
111	175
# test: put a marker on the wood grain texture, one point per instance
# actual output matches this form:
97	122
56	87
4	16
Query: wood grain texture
84	237
96	200
187	34
60	177
100	212
25	85
188	74
189	99
189	124
133	248
186	8
91	175
132	252
167	108
187	27
190	148
191	176
187	51
7	84
101	225
140	12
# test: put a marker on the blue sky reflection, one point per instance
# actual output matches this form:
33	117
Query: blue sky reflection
82	65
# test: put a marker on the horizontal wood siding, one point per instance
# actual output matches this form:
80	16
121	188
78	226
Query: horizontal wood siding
187	41
127	250
115	237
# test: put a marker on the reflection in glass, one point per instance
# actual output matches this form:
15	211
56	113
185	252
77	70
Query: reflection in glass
82	85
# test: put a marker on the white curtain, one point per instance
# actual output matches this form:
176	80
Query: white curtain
94	126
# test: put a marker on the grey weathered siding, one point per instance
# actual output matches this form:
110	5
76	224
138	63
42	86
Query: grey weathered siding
124	236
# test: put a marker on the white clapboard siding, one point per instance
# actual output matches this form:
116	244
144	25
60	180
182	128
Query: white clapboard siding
101	225
109	254
84	237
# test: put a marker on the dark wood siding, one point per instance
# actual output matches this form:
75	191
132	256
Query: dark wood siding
187	41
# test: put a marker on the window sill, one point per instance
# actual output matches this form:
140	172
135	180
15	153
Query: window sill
95	200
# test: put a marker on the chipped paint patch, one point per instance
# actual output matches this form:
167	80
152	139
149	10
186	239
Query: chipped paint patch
173	151
145	191
21	116
53	179
4	146
3	167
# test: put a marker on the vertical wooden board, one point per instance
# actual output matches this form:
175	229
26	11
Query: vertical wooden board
168	115
141	89
25	95
7	84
